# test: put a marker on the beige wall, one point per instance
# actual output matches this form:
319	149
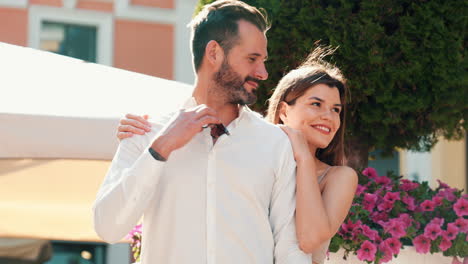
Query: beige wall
446	162
449	162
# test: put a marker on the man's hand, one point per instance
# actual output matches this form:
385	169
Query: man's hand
183	127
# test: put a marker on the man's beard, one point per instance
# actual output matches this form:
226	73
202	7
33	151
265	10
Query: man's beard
231	85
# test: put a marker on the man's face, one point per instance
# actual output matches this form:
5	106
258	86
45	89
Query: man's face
232	84
244	66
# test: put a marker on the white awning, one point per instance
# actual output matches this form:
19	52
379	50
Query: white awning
58	119
52	106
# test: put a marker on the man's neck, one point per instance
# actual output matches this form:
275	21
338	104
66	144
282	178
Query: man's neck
227	112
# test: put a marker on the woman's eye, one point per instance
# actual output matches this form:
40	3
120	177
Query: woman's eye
315	104
338	110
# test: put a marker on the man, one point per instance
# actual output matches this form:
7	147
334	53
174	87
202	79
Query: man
214	182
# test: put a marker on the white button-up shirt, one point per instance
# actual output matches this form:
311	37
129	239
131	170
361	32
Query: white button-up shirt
231	202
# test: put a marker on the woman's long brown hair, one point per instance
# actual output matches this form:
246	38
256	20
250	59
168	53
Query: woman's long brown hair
315	70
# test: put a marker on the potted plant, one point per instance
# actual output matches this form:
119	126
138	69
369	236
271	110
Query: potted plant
389	213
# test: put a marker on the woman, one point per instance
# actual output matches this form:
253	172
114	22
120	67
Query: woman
308	104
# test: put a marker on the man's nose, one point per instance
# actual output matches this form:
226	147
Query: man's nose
261	72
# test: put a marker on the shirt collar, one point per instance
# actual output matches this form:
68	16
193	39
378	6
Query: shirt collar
244	112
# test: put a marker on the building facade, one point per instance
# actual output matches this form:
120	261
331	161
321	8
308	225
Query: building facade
145	36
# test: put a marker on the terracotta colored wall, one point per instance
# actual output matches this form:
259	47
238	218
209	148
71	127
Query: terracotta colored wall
144	47
46	2
17	19
154	3
104	6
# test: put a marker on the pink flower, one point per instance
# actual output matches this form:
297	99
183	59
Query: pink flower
407	185
395	227
451	233
360	189
394	244
445	244
461	207
392	196
370	233
387	253
379	191
370	172
427	206
422	244
432	231
349	227
406	219
367	251
438	221
409	201
385	206
135	232
448	194
462	224
379	216
388	187
442	185
437	200
384	180
369	201
355	233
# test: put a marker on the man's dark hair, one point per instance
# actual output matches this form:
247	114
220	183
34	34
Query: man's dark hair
218	21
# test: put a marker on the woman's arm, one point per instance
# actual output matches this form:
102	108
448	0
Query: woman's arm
319	215
133	124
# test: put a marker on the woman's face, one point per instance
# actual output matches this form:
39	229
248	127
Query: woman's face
316	114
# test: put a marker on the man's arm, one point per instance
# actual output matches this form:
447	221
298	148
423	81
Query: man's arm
126	190
134	173
282	210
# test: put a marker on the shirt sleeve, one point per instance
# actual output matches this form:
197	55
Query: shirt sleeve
127	189
282	211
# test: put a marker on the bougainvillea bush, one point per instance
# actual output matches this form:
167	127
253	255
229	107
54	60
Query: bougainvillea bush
390	212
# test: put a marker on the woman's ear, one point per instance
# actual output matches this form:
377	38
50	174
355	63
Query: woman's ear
214	53
283	111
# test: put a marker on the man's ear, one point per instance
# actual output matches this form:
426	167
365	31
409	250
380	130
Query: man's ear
214	53
283	109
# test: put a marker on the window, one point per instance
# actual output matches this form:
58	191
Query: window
82	34
383	164
77	253
76	41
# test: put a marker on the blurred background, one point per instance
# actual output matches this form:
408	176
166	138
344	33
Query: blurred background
47	189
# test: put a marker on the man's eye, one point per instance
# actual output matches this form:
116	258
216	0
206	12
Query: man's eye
315	104
252	59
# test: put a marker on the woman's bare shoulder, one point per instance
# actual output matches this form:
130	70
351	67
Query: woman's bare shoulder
343	175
